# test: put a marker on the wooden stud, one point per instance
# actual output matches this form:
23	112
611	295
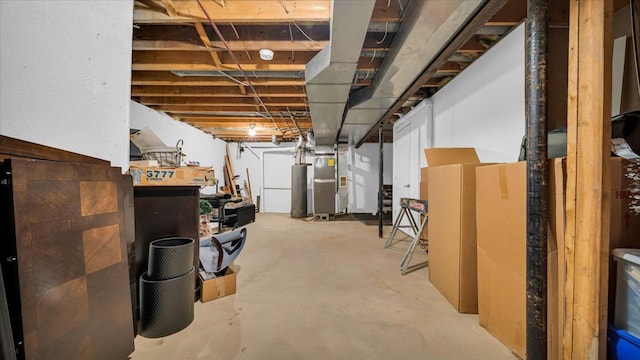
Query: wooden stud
216	91
588	179
207	43
165	78
189	109
217	101
170	8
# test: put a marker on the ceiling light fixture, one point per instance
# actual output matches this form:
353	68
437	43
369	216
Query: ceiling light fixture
252	130
266	54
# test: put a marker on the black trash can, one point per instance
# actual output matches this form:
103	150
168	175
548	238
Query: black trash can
166	306
170	258
166	289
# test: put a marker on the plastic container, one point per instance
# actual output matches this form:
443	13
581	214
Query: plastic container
621	345
627	310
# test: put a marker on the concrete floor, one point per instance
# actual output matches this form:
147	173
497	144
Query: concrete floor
318	290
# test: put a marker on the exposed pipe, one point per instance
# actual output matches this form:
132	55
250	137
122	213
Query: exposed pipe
295	123
380	178
235	59
537	178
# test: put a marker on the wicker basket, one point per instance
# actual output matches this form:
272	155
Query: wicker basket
165	155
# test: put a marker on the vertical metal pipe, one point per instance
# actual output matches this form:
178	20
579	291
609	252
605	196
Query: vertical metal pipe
380	179
537	178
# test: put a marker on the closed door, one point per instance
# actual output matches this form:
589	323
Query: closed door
277	181
405	183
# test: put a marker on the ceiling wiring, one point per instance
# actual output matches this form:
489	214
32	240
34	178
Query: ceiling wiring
304	33
235	59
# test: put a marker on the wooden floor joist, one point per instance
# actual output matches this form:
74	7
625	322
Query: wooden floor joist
588	179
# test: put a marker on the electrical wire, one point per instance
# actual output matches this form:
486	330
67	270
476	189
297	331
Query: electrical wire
293	56
305	34
235	59
386	31
235	31
373	56
231	78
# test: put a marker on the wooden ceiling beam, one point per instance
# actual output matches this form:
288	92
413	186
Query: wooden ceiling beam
256	119
217	91
201	61
207	44
245	11
249	37
237	45
385	10
431	83
244	124
229	102
473	45
511	14
166	78
190	109
241	132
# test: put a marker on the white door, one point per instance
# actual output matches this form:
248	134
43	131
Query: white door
276	181
405	165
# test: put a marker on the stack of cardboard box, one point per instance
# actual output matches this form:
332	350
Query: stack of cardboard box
477	242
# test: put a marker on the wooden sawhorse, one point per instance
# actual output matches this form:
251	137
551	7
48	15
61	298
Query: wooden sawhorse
406	205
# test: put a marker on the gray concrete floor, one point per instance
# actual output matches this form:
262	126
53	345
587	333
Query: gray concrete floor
325	290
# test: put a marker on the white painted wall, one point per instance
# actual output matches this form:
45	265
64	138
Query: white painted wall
250	159
484	106
362	176
362	173
66	75
198	145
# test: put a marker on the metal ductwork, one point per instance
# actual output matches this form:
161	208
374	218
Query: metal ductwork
427	28
328	76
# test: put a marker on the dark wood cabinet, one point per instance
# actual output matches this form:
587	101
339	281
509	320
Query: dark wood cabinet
161	212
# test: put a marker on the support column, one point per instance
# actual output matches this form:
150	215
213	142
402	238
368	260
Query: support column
537	178
588	179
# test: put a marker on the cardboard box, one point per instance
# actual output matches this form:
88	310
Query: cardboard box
452	226
448	156
217	287
501	202
180	176
501	233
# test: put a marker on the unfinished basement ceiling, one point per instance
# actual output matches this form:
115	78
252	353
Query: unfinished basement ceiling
182	67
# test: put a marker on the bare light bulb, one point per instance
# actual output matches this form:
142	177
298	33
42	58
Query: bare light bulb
252	131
